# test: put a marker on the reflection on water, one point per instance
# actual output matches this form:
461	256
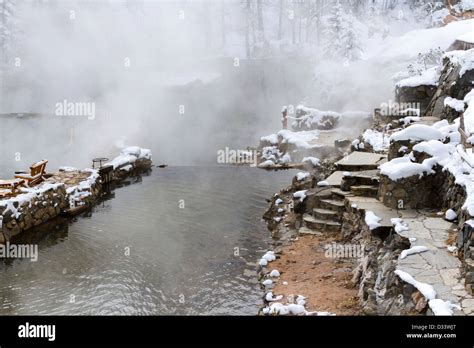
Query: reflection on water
165	245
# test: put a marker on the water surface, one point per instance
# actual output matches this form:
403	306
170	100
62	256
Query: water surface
184	240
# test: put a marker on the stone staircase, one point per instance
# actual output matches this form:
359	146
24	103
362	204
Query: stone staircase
360	161
361	183
326	216
358	178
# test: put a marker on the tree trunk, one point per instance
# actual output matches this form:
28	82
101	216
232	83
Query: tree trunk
300	27
207	27
318	21
280	21
2	63
254	31
293	26
223	27
3	40
261	34
247	29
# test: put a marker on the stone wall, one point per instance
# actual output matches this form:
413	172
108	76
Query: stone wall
33	210
460	45
86	191
412	192
352	221
47	200
453	196
380	290
383	118
400	148
419	94
131	169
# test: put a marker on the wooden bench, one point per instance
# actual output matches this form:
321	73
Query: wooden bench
10	186
37	171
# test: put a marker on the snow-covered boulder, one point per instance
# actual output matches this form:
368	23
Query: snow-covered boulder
454	84
129	156
402	142
310	118
371	141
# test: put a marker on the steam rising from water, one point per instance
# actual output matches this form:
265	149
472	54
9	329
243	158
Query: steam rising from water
157	81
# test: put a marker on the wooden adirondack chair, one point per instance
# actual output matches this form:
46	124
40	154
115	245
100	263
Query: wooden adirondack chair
37	170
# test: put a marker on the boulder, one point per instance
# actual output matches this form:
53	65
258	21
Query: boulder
451	84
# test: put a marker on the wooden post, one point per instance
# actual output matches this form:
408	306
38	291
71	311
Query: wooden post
284	119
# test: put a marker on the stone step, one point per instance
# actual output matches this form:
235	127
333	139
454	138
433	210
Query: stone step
306	230
365	204
340	193
313	223
331	204
325	194
427	120
365	190
335	178
314	195
364	177
326	214
333	226
360	161
320	225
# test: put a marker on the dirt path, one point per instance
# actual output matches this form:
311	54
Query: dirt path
325	282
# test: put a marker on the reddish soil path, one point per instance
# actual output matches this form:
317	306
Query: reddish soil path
325	282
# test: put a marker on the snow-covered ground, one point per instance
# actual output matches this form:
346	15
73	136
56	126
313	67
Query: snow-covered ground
428	77
410	44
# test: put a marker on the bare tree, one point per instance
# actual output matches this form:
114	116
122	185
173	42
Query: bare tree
248	24
205	10
7	29
293	23
358	6
223	26
280	19
300	19
261	32
253	26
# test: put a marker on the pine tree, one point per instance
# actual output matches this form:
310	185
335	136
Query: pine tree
334	32
351	44
342	38
7	29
